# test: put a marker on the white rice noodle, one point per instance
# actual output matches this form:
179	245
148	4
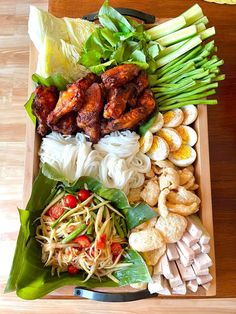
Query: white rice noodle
116	160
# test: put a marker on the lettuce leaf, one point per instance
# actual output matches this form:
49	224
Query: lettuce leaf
55	80
29	277
28	108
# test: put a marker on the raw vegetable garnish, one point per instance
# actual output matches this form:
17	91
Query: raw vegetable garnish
120	40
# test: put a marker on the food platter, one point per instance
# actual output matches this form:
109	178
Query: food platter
201	173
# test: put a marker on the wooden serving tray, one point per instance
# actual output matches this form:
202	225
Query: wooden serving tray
202	174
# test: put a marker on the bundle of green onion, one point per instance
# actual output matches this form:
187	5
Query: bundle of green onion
187	70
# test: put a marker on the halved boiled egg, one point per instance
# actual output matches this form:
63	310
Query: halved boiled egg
190	114
172	137
145	141
158	123
159	150
188	134
183	157
173	118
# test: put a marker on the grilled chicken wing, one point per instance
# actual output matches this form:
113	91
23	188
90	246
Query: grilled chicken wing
67	124
117	100
71	99
145	106
88	117
119	75
139	84
44	102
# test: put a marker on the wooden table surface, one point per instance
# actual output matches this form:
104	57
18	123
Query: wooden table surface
14	55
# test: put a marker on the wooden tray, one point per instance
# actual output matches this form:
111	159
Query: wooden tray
202	173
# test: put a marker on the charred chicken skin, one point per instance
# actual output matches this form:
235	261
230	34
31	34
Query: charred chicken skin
139	84
67	124
145	106
117	100
123	90
88	117
71	99
119	75
44	102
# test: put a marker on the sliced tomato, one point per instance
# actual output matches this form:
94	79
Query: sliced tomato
116	249
83	195
83	241
55	211
101	242
70	201
72	269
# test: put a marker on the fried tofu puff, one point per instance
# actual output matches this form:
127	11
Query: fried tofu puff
187	179
134	195
171	227
152	257
169	179
183	196
146	240
182	202
150	193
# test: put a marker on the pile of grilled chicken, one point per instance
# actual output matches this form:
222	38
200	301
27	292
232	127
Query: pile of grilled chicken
118	99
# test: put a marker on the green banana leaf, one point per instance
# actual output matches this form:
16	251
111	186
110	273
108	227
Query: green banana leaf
29	277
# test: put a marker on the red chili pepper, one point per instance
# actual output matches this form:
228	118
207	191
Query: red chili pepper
83	241
55	211
101	242
70	201
72	270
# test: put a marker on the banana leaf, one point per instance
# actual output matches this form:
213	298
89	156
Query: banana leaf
30	278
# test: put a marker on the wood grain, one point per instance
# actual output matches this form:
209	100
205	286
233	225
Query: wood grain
14	53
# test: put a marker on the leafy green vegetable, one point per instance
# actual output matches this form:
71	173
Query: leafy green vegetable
138	214
120	22
30	278
54	80
59	42
133	271
28	108
53	174
120	40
